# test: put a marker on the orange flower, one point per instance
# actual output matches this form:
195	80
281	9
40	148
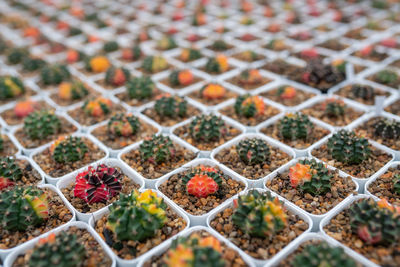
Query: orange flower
288	92
299	173
56	143
258	103
213	91
48	239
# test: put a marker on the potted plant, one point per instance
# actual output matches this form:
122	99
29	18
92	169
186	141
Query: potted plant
53	75
361	93
189	54
115	77
386	77
217	65
288	95
212	94
17	171
11	88
71	92
179	79
386	185
95	65
154	64
249	79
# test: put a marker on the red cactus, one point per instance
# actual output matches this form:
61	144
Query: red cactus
201	185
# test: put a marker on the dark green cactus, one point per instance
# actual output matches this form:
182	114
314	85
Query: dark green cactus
153	64
387	77
110	46
365	92
10	172
322	255
249	106
16	55
334	108
321	178
387	129
396	184
213	65
140	87
41	124
190	54
31	64
54	74
219	45
173	78
346	147
10	86
207	128
166	43
171	106
253	151
157	149
73	31
136	52
295	126
1	143
123	125
64	251
69	150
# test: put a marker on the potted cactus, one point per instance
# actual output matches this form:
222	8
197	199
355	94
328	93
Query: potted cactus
95	65
206	132
312	186
288	95
249	79
166	43
32	65
370	53
179	79
248	56
115	77
387	77
16	55
296	130
352	154
17	114
219	46
132	239
154	64
71	92
53	75
28	212
131	54
362	93
17	172
110	46
369	228
11	88
387	185
189	54
258	223
67	154
217	65
212	94
156	156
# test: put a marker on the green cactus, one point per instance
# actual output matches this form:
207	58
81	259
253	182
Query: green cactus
30	64
321	178
171	106
136	52
166	43
64	251
110	46
387	129
140	87
207	128
73	31
117	76
387	77
295	126
375	223
137	216
1	143
54	74
380	4
23	208
249	106
153	64
346	147
40	124
396	184
322	255
10	87
10	172
190	54
213	66
213	173
219	45
173	78
123	125
78	90
68	150
16	55
334	108
157	149
259	214
365	92
253	151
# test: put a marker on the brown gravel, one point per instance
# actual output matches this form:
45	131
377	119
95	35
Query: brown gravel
269	112
136	102
26	142
119	142
259	248
318	111
231	257
317	205
63	102
174	189
55	169
183	132
80	205
301	96
146	72
358	68
374	56
9	148
317	134
58	215
236	81
196	95
281	67
84	119
239	56
10	118
394	108
153	171
167	83
133	249
346	92
339	228
94	253
333	44
382	187
366	169
30	176
102	83
28	93
167	121
356	34
230	158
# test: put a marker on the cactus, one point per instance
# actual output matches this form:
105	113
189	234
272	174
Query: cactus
54	74
137	216
74	56
24	108
16	55
259	214
140	87
322	75
311	177
387	77
68	149
250	77
171	106
213	91
217	64
1	149
31	64
166	43
97	64
153	64
10	87
10	172
133	53
62	250
249	106
180	78
123	125
219	45
253	151
396	184
207	128
365	92
286	92
346	147
202	181
157	149
248	55
334	108
195	251
110	46
322	255
72	90
295	126
189	54
387	129
375	222
22	208
117	76
38	125
98	107
98	184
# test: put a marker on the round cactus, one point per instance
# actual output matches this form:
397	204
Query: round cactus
166	43
250	77
140	88
171	106
62	250
295	126
189	54
217	64
110	46
133	53
346	147
10	172
10	86
137	216
54	74
24	108
123	125
253	151
41	124
97	64
213	91
365	92
387	129
387	77
31	64
180	78
286	92
334	108
202	181
98	107
207	128
117	76
259	214
17	55
153	64
249	106
21	208
68	150
72	90
157	149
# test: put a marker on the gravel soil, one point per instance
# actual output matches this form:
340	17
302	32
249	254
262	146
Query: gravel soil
268	113
300	97
86	120
10	118
346	92
168	121
9	148
124	96
196	95
382	187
